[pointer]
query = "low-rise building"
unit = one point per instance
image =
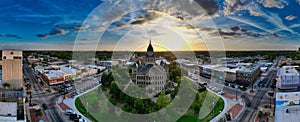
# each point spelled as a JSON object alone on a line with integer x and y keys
{"x": 8, "y": 111}
{"x": 288, "y": 78}
{"x": 107, "y": 64}
{"x": 287, "y": 107}
{"x": 242, "y": 73}
{"x": 53, "y": 77}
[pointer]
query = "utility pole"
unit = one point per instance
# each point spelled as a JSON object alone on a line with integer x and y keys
{"x": 30, "y": 98}
{"x": 64, "y": 89}
{"x": 236, "y": 97}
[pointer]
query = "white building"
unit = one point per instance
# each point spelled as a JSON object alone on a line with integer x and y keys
{"x": 287, "y": 107}
{"x": 288, "y": 78}
{"x": 8, "y": 112}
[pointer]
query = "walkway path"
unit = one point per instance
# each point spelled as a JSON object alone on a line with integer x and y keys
{"x": 229, "y": 103}
{"x": 70, "y": 102}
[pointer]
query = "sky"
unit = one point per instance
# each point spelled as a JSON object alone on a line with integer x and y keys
{"x": 131, "y": 24}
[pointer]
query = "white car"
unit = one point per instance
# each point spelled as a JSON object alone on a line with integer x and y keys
{"x": 82, "y": 120}
{"x": 221, "y": 92}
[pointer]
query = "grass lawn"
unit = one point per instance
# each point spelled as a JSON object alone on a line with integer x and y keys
{"x": 82, "y": 110}
{"x": 206, "y": 113}
{"x": 217, "y": 110}
{"x": 188, "y": 118}
{"x": 98, "y": 110}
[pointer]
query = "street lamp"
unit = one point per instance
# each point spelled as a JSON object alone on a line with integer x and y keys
{"x": 87, "y": 104}
{"x": 213, "y": 107}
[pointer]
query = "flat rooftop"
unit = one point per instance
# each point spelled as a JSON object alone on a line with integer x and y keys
{"x": 288, "y": 71}
{"x": 282, "y": 116}
{"x": 287, "y": 96}
{"x": 8, "y": 108}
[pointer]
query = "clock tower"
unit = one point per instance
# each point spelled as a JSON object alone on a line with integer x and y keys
{"x": 150, "y": 59}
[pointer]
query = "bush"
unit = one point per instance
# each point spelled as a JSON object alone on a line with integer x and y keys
{"x": 39, "y": 112}
{"x": 243, "y": 89}
{"x": 259, "y": 114}
{"x": 271, "y": 94}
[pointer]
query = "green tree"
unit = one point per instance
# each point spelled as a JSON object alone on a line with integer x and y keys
{"x": 6, "y": 85}
{"x": 104, "y": 79}
{"x": 163, "y": 100}
{"x": 139, "y": 106}
{"x": 114, "y": 90}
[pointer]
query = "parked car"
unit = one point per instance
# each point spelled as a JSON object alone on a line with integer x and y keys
{"x": 44, "y": 105}
{"x": 221, "y": 92}
{"x": 69, "y": 112}
{"x": 79, "y": 120}
{"x": 74, "y": 116}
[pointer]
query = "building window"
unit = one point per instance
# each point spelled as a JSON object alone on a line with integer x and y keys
{"x": 4, "y": 57}
{"x": 17, "y": 57}
{"x": 11, "y": 53}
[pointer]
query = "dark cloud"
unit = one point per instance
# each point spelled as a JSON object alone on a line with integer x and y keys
{"x": 137, "y": 22}
{"x": 141, "y": 18}
{"x": 74, "y": 27}
{"x": 211, "y": 6}
{"x": 62, "y": 29}
{"x": 235, "y": 28}
{"x": 251, "y": 34}
{"x": 223, "y": 33}
{"x": 10, "y": 36}
{"x": 54, "y": 31}
{"x": 238, "y": 32}
{"x": 88, "y": 39}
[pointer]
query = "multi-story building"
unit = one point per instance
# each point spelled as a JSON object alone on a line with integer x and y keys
{"x": 288, "y": 78}
{"x": 148, "y": 74}
{"x": 12, "y": 68}
{"x": 53, "y": 77}
{"x": 247, "y": 74}
{"x": 12, "y": 98}
{"x": 241, "y": 73}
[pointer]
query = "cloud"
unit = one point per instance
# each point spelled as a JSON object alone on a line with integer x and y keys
{"x": 74, "y": 27}
{"x": 273, "y": 3}
{"x": 277, "y": 21}
{"x": 235, "y": 28}
{"x": 295, "y": 26}
{"x": 290, "y": 17}
{"x": 252, "y": 6}
{"x": 234, "y": 5}
{"x": 210, "y": 6}
{"x": 249, "y": 22}
{"x": 10, "y": 36}
{"x": 54, "y": 31}
{"x": 62, "y": 29}
{"x": 238, "y": 32}
{"x": 254, "y": 11}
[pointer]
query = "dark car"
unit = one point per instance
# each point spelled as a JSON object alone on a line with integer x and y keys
{"x": 228, "y": 117}
{"x": 44, "y": 105}
{"x": 74, "y": 117}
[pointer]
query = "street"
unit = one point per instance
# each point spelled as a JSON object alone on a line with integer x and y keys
{"x": 256, "y": 99}
{"x": 52, "y": 113}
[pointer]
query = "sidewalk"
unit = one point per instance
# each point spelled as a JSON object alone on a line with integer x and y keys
{"x": 70, "y": 102}
{"x": 229, "y": 103}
